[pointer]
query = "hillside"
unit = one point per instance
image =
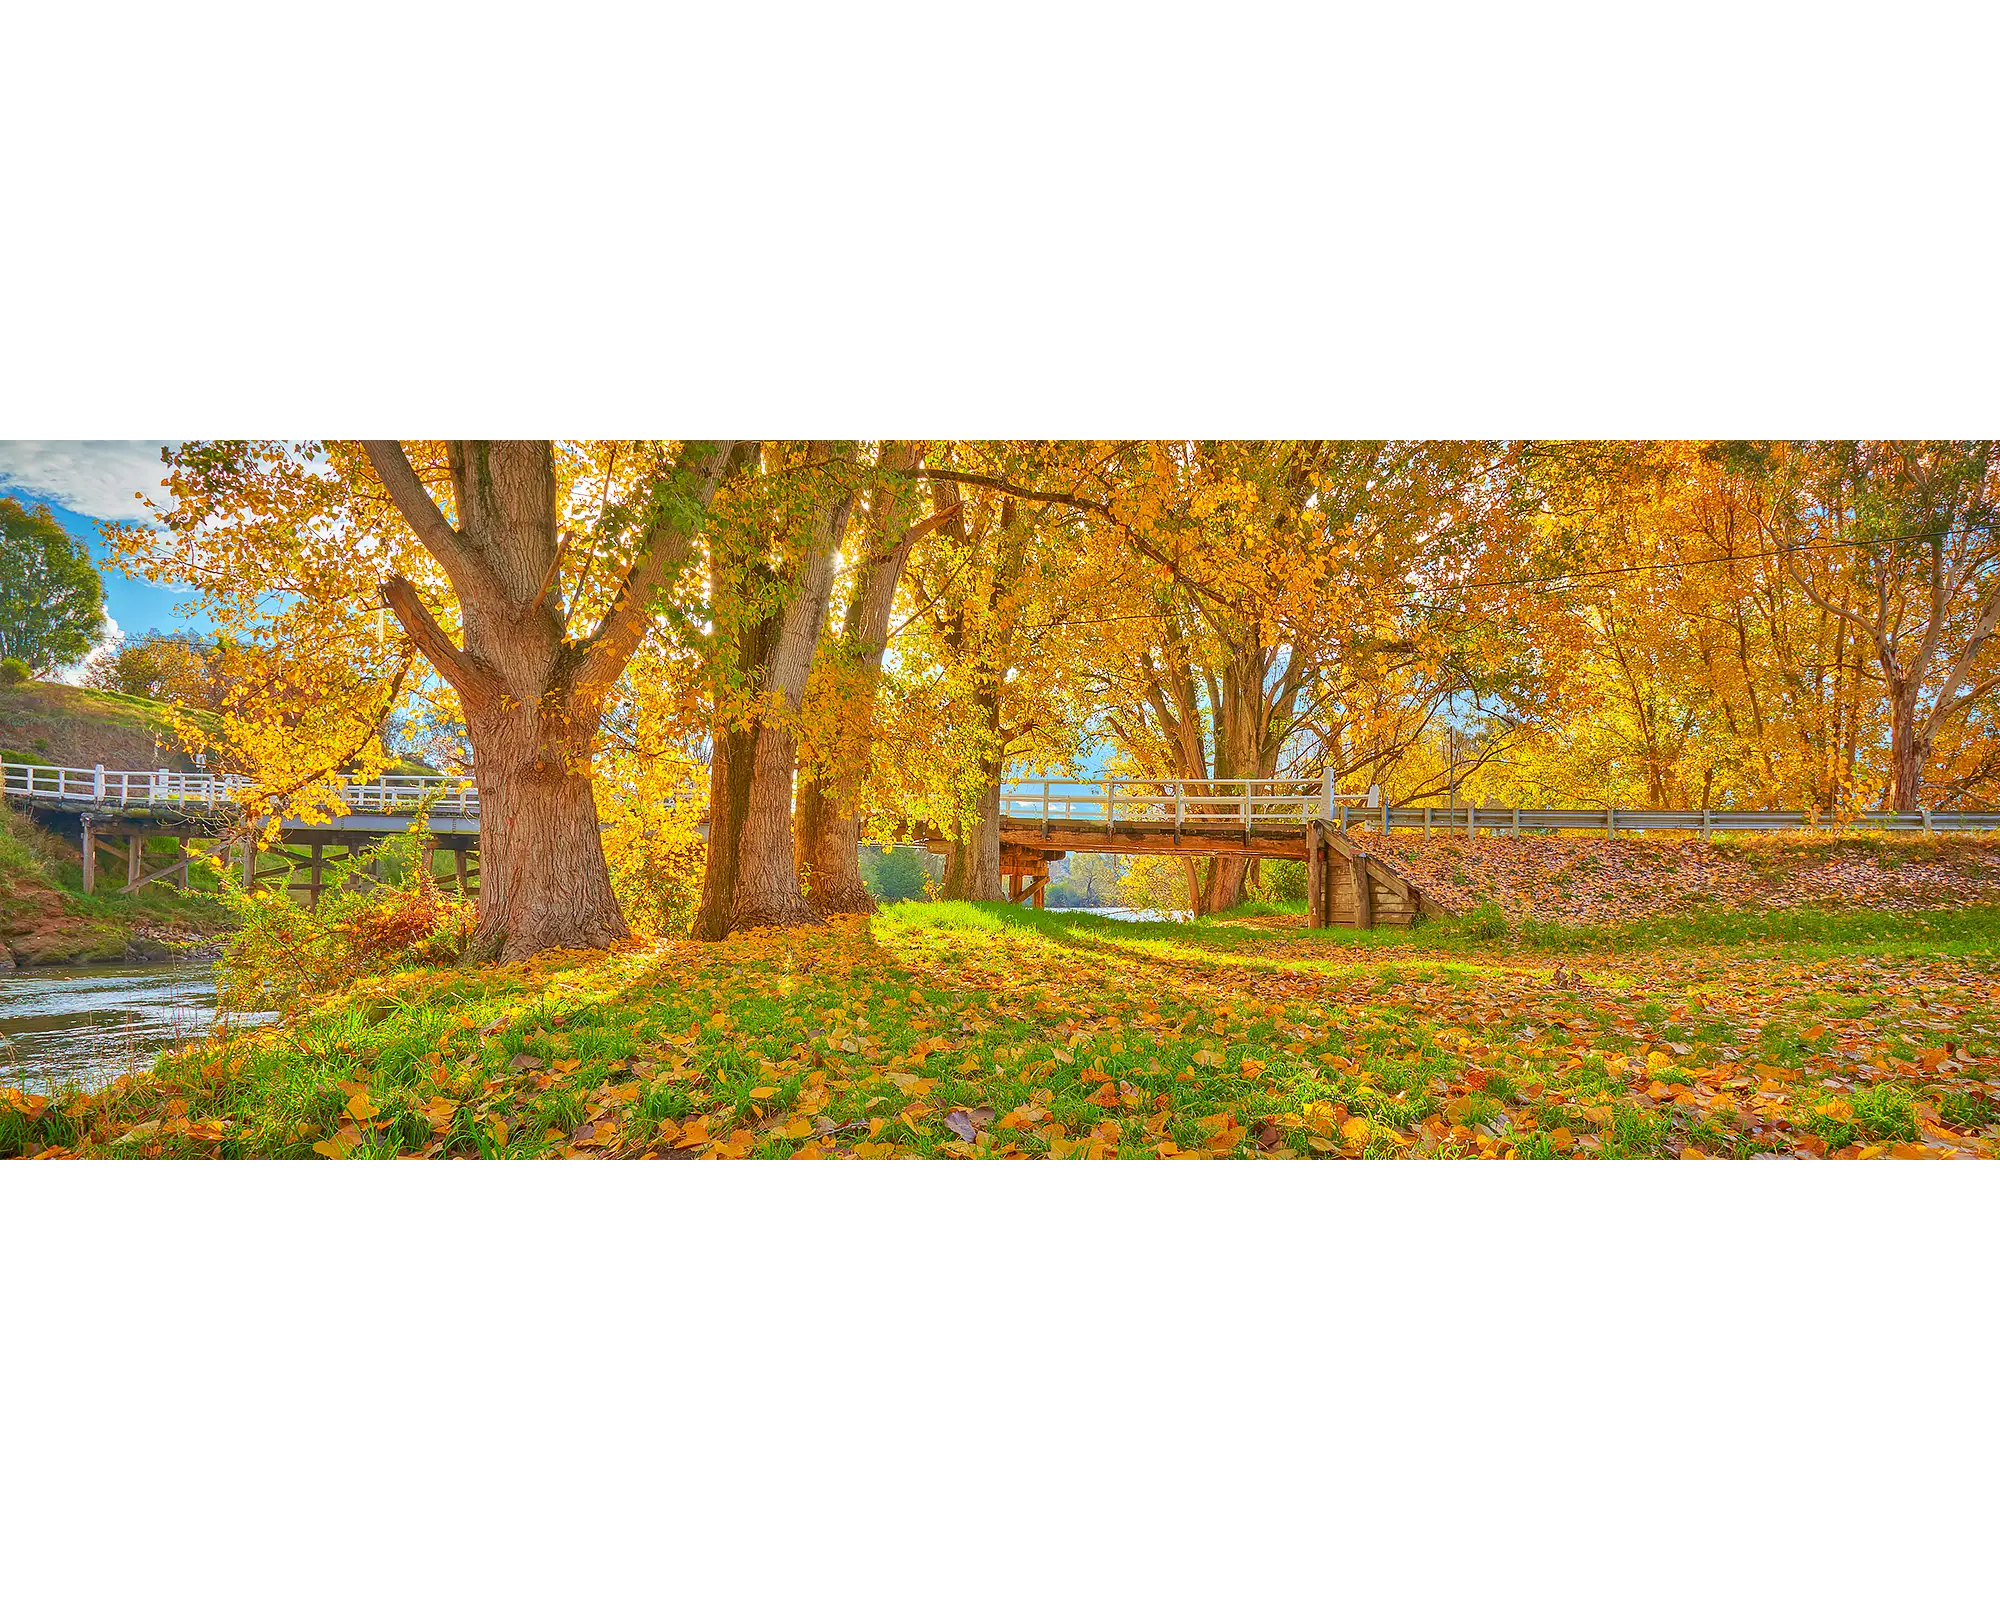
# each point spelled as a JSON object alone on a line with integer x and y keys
{"x": 71, "y": 727}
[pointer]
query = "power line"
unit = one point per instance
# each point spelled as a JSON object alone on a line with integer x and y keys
{"x": 1665, "y": 566}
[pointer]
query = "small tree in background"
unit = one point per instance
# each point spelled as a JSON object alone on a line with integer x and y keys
{"x": 51, "y": 598}
{"x": 893, "y": 872}
{"x": 1153, "y": 883}
{"x": 156, "y": 666}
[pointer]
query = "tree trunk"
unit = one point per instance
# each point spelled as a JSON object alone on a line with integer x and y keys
{"x": 829, "y": 828}
{"x": 1224, "y": 889}
{"x": 972, "y": 864}
{"x": 728, "y": 807}
{"x": 830, "y": 855}
{"x": 751, "y": 878}
{"x": 972, "y": 867}
{"x": 543, "y": 883}
{"x": 1907, "y": 748}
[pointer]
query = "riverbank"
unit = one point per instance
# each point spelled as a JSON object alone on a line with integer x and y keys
{"x": 47, "y": 920}
{"x": 991, "y": 1032}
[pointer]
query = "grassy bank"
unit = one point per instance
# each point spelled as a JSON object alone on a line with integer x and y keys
{"x": 59, "y": 724}
{"x": 987, "y": 1031}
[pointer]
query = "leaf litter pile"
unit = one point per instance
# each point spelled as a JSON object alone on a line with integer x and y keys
{"x": 983, "y": 1033}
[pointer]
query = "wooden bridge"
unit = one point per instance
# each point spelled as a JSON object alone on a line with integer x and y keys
{"x": 119, "y": 812}
{"x": 1288, "y": 819}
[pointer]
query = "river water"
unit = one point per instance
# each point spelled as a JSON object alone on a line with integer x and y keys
{"x": 1126, "y": 913}
{"x": 83, "y": 1026}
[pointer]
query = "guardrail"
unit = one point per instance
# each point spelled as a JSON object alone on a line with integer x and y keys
{"x": 1611, "y": 821}
{"x": 124, "y": 791}
{"x": 1210, "y": 804}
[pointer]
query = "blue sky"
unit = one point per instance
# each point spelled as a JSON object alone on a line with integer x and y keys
{"x": 87, "y": 481}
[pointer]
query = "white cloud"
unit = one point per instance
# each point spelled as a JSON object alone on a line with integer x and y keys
{"x": 109, "y": 638}
{"x": 96, "y": 477}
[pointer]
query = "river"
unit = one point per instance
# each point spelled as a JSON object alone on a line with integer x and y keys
{"x": 83, "y": 1026}
{"x": 1126, "y": 913}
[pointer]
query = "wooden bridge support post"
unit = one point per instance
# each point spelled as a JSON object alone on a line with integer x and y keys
{"x": 313, "y": 878}
{"x": 89, "y": 856}
{"x": 181, "y": 857}
{"x": 1315, "y": 880}
{"x": 1364, "y": 895}
{"x": 460, "y": 854}
{"x": 135, "y": 846}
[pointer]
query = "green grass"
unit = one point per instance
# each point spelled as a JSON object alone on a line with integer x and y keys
{"x": 1097, "y": 1036}
{"x": 1963, "y": 930}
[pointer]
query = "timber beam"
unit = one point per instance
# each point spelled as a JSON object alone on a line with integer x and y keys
{"x": 1280, "y": 841}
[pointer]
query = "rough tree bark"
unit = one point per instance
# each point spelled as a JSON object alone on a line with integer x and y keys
{"x": 533, "y": 697}
{"x": 972, "y": 862}
{"x": 751, "y": 878}
{"x": 829, "y": 826}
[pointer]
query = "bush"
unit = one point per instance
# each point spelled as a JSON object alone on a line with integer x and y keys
{"x": 1284, "y": 880}
{"x": 285, "y": 953}
{"x": 13, "y": 672}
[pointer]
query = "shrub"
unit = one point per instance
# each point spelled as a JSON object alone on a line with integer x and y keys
{"x": 285, "y": 953}
{"x": 1284, "y": 880}
{"x": 1484, "y": 923}
{"x": 13, "y": 671}
{"x": 654, "y": 854}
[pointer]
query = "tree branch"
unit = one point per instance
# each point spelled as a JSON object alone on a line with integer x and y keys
{"x": 466, "y": 676}
{"x": 1050, "y": 497}
{"x": 468, "y": 571}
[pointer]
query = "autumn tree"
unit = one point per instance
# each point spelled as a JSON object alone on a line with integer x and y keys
{"x": 1755, "y": 625}
{"x": 154, "y": 666}
{"x": 1907, "y": 533}
{"x": 522, "y": 573}
{"x": 1277, "y": 632}
{"x": 771, "y": 574}
{"x": 1004, "y": 599}
{"x": 532, "y": 685}
{"x": 841, "y": 726}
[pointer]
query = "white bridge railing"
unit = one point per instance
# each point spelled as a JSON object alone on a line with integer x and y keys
{"x": 1241, "y": 804}
{"x": 1209, "y": 804}
{"x": 101, "y": 787}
